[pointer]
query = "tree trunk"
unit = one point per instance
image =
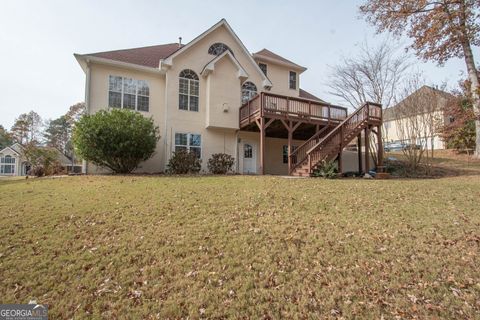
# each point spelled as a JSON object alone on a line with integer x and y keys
{"x": 475, "y": 89}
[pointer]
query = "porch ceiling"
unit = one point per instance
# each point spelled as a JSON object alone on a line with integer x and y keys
{"x": 277, "y": 130}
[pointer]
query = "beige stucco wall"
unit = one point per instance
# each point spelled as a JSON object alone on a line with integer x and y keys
{"x": 220, "y": 87}
{"x": 279, "y": 76}
{"x": 223, "y": 95}
{"x": 99, "y": 75}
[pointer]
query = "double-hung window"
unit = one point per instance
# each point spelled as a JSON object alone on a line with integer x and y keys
{"x": 7, "y": 165}
{"x": 128, "y": 93}
{"x": 189, "y": 142}
{"x": 292, "y": 80}
{"x": 263, "y": 67}
{"x": 188, "y": 91}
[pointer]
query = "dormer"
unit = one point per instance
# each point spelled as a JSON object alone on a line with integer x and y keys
{"x": 284, "y": 74}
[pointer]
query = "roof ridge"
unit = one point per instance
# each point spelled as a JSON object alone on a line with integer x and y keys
{"x": 136, "y": 48}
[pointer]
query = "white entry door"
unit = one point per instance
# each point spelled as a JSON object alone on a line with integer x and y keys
{"x": 249, "y": 158}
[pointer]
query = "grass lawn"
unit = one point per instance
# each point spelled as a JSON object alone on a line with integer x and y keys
{"x": 242, "y": 247}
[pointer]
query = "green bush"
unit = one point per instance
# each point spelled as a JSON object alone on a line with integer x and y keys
{"x": 327, "y": 170}
{"x": 183, "y": 162}
{"x": 220, "y": 163}
{"x": 117, "y": 139}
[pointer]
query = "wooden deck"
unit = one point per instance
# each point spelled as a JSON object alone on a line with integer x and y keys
{"x": 273, "y": 106}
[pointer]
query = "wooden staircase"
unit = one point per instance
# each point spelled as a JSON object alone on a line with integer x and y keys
{"x": 327, "y": 144}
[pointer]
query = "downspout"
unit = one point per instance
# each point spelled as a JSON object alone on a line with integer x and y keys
{"x": 237, "y": 162}
{"x": 165, "y": 131}
{"x": 87, "y": 107}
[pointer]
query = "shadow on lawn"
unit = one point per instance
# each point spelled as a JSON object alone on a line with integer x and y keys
{"x": 446, "y": 163}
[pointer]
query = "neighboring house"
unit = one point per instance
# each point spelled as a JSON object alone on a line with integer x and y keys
{"x": 212, "y": 96}
{"x": 13, "y": 163}
{"x": 419, "y": 109}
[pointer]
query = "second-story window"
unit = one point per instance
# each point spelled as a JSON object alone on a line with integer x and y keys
{"x": 263, "y": 67}
{"x": 188, "y": 90}
{"x": 249, "y": 90}
{"x": 292, "y": 80}
{"x": 128, "y": 93}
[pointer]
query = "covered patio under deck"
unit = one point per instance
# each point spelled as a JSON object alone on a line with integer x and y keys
{"x": 289, "y": 118}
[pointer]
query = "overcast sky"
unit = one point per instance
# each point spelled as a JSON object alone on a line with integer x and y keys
{"x": 38, "y": 38}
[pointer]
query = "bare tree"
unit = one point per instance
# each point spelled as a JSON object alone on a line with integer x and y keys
{"x": 372, "y": 75}
{"x": 417, "y": 118}
{"x": 440, "y": 30}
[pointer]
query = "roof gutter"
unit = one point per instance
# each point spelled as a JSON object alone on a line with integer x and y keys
{"x": 82, "y": 60}
{"x": 279, "y": 62}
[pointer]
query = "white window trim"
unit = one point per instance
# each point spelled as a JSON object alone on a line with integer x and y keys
{"x": 189, "y": 95}
{"x": 188, "y": 141}
{"x": 122, "y": 93}
{"x": 296, "y": 80}
{"x": 4, "y": 164}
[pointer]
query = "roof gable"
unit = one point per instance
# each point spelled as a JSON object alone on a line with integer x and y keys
{"x": 210, "y": 67}
{"x": 166, "y": 63}
{"x": 434, "y": 94}
{"x": 270, "y": 56}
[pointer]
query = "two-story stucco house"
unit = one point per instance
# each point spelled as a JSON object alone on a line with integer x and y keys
{"x": 212, "y": 95}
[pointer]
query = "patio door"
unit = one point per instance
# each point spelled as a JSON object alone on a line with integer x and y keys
{"x": 249, "y": 158}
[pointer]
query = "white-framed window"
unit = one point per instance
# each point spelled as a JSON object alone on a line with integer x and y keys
{"x": 263, "y": 67}
{"x": 190, "y": 142}
{"x": 7, "y": 165}
{"x": 188, "y": 90}
{"x": 128, "y": 93}
{"x": 292, "y": 80}
{"x": 285, "y": 154}
{"x": 249, "y": 90}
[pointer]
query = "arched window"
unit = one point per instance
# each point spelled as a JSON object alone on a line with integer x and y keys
{"x": 249, "y": 90}
{"x": 188, "y": 90}
{"x": 218, "y": 48}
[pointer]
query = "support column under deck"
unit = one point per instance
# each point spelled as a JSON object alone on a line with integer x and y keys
{"x": 380, "y": 149}
{"x": 262, "y": 145}
{"x": 367, "y": 149}
{"x": 359, "y": 152}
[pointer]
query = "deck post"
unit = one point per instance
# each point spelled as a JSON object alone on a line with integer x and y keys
{"x": 359, "y": 151}
{"x": 340, "y": 165}
{"x": 290, "y": 134}
{"x": 262, "y": 145}
{"x": 367, "y": 149}
{"x": 380, "y": 149}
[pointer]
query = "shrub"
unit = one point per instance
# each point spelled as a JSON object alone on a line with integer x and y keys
{"x": 37, "y": 171}
{"x": 183, "y": 162}
{"x": 43, "y": 161}
{"x": 117, "y": 139}
{"x": 220, "y": 163}
{"x": 327, "y": 170}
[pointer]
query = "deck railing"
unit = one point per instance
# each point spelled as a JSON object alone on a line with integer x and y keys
{"x": 269, "y": 104}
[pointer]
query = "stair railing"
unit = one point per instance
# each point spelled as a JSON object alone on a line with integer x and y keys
{"x": 335, "y": 138}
